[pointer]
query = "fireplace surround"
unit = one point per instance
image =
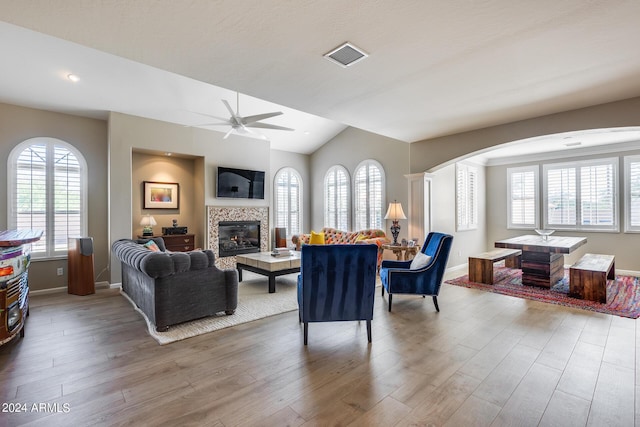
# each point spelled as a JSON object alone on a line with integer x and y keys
{"x": 217, "y": 214}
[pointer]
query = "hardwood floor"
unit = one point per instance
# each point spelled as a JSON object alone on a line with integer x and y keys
{"x": 485, "y": 359}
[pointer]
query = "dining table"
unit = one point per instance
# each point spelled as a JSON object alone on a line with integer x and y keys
{"x": 542, "y": 256}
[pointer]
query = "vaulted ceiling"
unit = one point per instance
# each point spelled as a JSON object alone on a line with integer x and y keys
{"x": 434, "y": 67}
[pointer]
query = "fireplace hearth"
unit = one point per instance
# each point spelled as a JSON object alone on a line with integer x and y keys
{"x": 238, "y": 237}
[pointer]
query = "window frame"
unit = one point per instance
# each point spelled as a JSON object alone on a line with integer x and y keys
{"x": 470, "y": 206}
{"x": 366, "y": 164}
{"x": 276, "y": 215}
{"x": 577, "y": 169}
{"x": 628, "y": 227}
{"x": 49, "y": 237}
{"x": 535, "y": 169}
{"x": 335, "y": 169}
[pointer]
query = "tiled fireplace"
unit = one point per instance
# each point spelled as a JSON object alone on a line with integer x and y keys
{"x": 230, "y": 216}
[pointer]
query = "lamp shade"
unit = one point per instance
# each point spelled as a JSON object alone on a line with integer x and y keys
{"x": 395, "y": 211}
{"x": 148, "y": 221}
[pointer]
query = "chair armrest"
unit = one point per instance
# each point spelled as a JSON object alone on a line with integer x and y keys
{"x": 387, "y": 263}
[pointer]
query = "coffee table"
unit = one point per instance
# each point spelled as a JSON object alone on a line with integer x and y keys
{"x": 267, "y": 265}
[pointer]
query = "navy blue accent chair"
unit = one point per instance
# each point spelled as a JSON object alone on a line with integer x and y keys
{"x": 397, "y": 278}
{"x": 336, "y": 283}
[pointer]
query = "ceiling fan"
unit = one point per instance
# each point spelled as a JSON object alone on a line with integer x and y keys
{"x": 241, "y": 124}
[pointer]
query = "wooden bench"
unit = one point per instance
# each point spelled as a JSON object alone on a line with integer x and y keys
{"x": 481, "y": 265}
{"x": 588, "y": 277}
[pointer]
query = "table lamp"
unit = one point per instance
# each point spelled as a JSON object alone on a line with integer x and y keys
{"x": 147, "y": 223}
{"x": 395, "y": 213}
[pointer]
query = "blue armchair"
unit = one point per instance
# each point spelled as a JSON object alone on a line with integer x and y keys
{"x": 398, "y": 278}
{"x": 337, "y": 282}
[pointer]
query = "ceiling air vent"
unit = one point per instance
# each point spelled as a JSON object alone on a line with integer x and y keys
{"x": 346, "y": 55}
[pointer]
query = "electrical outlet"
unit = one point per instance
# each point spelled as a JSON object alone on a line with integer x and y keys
{"x": 60, "y": 271}
{"x": 459, "y": 253}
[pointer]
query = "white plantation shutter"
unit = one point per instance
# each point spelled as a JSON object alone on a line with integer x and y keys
{"x": 368, "y": 185}
{"x": 288, "y": 200}
{"x": 561, "y": 197}
{"x": 582, "y": 195}
{"x": 47, "y": 192}
{"x": 632, "y": 193}
{"x": 523, "y": 197}
{"x": 466, "y": 197}
{"x": 336, "y": 198}
{"x": 597, "y": 195}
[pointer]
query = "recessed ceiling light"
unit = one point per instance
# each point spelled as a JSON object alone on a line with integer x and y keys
{"x": 168, "y": 154}
{"x": 73, "y": 77}
{"x": 306, "y": 132}
{"x": 572, "y": 144}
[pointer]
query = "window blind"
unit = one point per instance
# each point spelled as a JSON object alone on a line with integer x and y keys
{"x": 368, "y": 203}
{"x": 337, "y": 198}
{"x": 48, "y": 194}
{"x": 288, "y": 194}
{"x": 582, "y": 195}
{"x": 466, "y": 197}
{"x": 523, "y": 205}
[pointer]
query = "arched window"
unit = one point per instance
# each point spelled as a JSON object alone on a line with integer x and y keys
{"x": 337, "y": 198}
{"x": 368, "y": 192}
{"x": 288, "y": 200}
{"x": 47, "y": 191}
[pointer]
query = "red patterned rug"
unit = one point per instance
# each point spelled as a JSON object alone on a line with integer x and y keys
{"x": 623, "y": 294}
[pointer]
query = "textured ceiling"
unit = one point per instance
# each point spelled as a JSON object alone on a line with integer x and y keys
{"x": 435, "y": 67}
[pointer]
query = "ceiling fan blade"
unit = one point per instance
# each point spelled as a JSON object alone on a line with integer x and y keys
{"x": 226, "y": 135}
{"x": 209, "y": 124}
{"x": 222, "y": 119}
{"x": 267, "y": 126}
{"x": 256, "y": 118}
{"x": 226, "y": 104}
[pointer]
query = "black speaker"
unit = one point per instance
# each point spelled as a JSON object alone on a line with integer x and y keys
{"x": 86, "y": 246}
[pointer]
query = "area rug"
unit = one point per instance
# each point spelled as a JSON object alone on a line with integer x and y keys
{"x": 623, "y": 293}
{"x": 254, "y": 302}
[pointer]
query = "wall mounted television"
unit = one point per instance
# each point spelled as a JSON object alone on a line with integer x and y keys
{"x": 240, "y": 183}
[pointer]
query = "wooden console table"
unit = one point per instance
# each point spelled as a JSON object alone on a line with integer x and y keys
{"x": 402, "y": 253}
{"x": 176, "y": 242}
{"x": 15, "y": 257}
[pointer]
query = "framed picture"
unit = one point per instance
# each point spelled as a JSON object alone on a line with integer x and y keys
{"x": 161, "y": 195}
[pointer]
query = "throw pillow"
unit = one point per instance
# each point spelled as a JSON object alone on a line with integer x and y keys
{"x": 151, "y": 245}
{"x": 360, "y": 238}
{"x": 316, "y": 238}
{"x": 419, "y": 261}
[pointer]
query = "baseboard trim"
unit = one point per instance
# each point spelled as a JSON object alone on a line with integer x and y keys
{"x": 98, "y": 285}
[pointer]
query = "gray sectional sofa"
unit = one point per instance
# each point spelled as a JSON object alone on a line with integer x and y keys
{"x": 175, "y": 287}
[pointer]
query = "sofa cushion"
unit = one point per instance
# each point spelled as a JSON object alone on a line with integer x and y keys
{"x": 317, "y": 238}
{"x": 419, "y": 261}
{"x": 152, "y": 246}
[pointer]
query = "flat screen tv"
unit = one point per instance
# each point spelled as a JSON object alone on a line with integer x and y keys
{"x": 240, "y": 183}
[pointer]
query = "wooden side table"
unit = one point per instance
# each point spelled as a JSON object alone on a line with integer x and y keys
{"x": 402, "y": 253}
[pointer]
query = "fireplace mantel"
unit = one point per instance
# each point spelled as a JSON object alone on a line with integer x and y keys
{"x": 215, "y": 214}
